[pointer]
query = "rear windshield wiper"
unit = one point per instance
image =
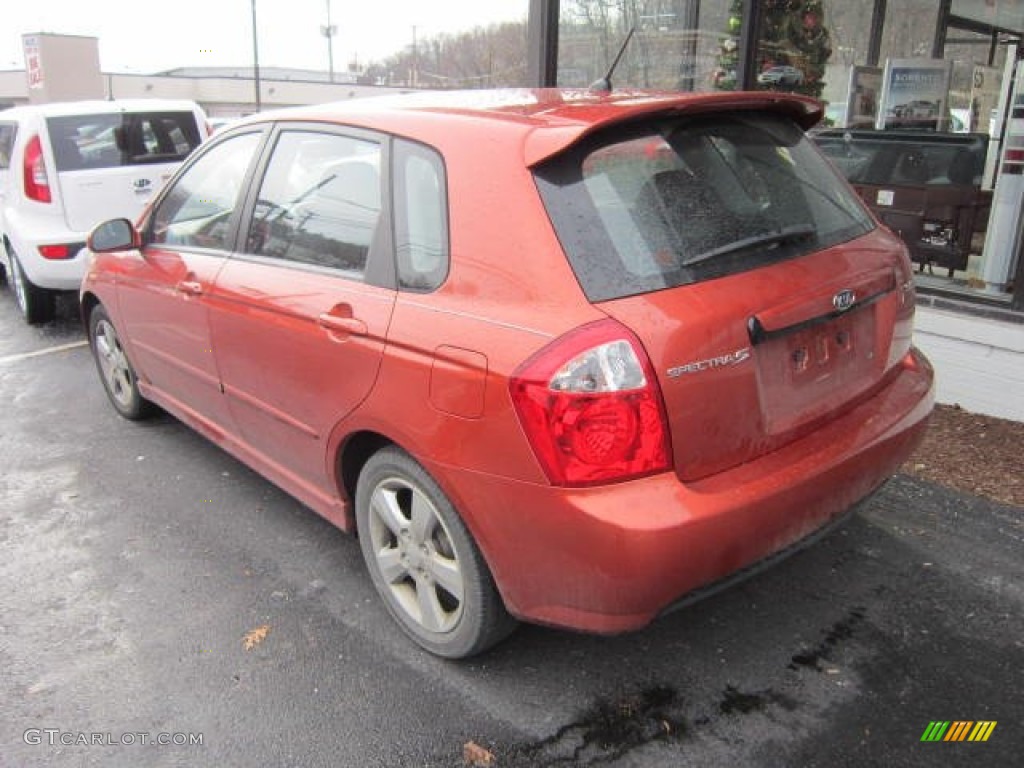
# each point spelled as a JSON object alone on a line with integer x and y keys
{"x": 782, "y": 236}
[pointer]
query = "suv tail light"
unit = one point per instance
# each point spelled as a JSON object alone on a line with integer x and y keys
{"x": 591, "y": 408}
{"x": 37, "y": 183}
{"x": 60, "y": 251}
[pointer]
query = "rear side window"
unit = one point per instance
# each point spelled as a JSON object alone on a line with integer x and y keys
{"x": 122, "y": 139}
{"x": 8, "y": 131}
{"x": 421, "y": 217}
{"x": 684, "y": 200}
{"x": 319, "y": 202}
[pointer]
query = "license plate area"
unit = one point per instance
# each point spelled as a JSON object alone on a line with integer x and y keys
{"x": 820, "y": 351}
{"x": 812, "y": 369}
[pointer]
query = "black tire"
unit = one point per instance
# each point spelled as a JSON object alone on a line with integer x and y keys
{"x": 116, "y": 371}
{"x": 424, "y": 564}
{"x": 37, "y": 305}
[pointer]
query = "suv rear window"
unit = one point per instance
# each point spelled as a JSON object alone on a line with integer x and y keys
{"x": 914, "y": 158}
{"x": 115, "y": 140}
{"x": 678, "y": 201}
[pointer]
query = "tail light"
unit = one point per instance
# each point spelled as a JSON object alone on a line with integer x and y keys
{"x": 590, "y": 406}
{"x": 60, "y": 251}
{"x": 37, "y": 183}
{"x": 903, "y": 325}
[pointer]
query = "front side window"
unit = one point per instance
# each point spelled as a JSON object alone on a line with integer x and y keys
{"x": 198, "y": 210}
{"x": 680, "y": 201}
{"x": 319, "y": 202}
{"x": 116, "y": 139}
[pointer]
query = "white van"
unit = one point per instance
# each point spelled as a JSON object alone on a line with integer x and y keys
{"x": 65, "y": 167}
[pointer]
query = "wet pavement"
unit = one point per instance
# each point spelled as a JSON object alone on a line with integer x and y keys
{"x": 137, "y": 559}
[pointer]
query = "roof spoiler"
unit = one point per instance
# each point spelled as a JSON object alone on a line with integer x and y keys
{"x": 544, "y": 143}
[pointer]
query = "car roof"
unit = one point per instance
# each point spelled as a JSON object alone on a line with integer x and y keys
{"x": 542, "y": 122}
{"x": 98, "y": 107}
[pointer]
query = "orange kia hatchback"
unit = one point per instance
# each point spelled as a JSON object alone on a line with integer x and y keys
{"x": 556, "y": 356}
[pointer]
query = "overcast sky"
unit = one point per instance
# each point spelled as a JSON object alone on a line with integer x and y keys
{"x": 153, "y": 35}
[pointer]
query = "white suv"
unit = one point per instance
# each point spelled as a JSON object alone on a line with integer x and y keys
{"x": 64, "y": 167}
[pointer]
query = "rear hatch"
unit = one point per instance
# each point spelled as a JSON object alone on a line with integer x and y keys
{"x": 764, "y": 295}
{"x": 109, "y": 165}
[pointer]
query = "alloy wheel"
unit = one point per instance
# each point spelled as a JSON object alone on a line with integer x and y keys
{"x": 117, "y": 373}
{"x": 415, "y": 556}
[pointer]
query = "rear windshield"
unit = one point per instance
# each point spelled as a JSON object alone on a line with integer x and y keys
{"x": 684, "y": 200}
{"x": 114, "y": 140}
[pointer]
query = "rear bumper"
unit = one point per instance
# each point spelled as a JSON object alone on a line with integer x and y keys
{"x": 611, "y": 559}
{"x": 29, "y": 231}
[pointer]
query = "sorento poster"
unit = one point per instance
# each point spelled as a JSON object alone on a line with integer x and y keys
{"x": 915, "y": 94}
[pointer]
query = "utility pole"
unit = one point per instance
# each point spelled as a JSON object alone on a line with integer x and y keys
{"x": 329, "y": 31}
{"x": 255, "y": 58}
{"x": 414, "y": 76}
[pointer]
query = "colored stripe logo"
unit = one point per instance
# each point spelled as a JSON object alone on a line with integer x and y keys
{"x": 958, "y": 730}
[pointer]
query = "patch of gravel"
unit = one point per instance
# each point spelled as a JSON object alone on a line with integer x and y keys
{"x": 970, "y": 452}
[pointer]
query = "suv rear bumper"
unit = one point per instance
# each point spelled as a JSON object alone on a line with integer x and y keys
{"x": 613, "y": 558}
{"x": 27, "y": 232}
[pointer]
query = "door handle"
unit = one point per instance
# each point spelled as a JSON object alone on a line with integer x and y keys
{"x": 190, "y": 287}
{"x": 350, "y": 325}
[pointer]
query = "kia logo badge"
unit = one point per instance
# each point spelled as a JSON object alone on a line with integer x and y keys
{"x": 142, "y": 183}
{"x": 843, "y": 300}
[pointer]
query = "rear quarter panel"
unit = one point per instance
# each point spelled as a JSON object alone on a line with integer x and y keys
{"x": 442, "y": 393}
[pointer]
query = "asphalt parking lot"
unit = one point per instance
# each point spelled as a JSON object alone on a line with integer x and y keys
{"x": 138, "y": 562}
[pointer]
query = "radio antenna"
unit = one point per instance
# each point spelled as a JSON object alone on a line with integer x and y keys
{"x": 604, "y": 85}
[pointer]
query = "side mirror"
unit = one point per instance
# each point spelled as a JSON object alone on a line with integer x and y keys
{"x": 113, "y": 235}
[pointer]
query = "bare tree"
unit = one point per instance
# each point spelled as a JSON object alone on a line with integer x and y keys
{"x": 483, "y": 57}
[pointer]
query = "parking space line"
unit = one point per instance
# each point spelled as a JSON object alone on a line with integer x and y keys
{"x": 41, "y": 352}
